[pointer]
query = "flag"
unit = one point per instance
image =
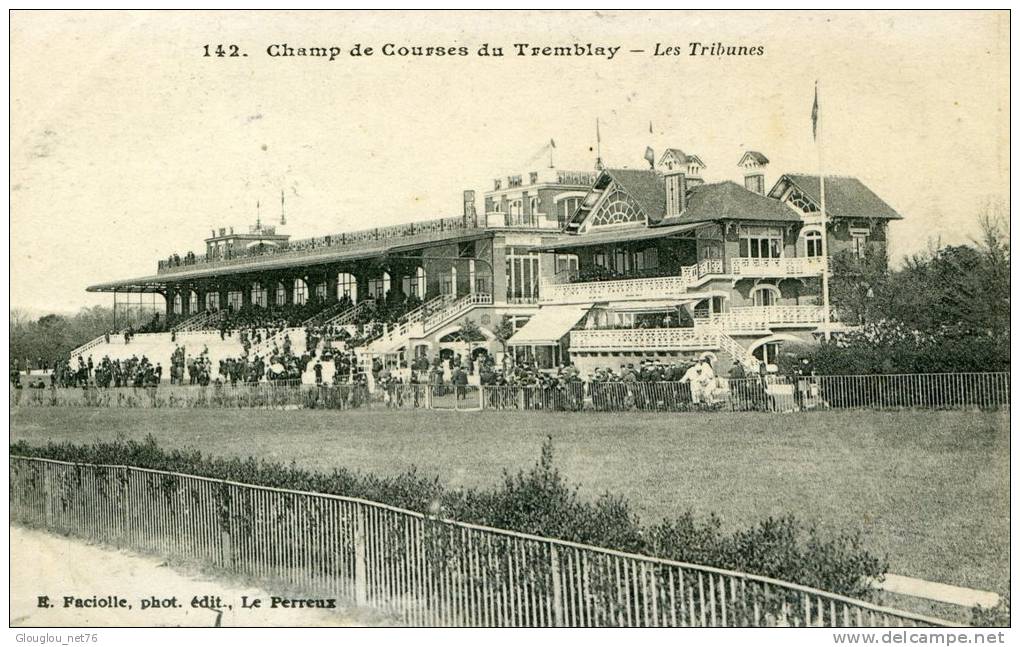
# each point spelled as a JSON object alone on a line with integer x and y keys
{"x": 814, "y": 115}
{"x": 650, "y": 132}
{"x": 598, "y": 137}
{"x": 552, "y": 143}
{"x": 650, "y": 156}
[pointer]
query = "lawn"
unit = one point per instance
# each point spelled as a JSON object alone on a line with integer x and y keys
{"x": 928, "y": 489}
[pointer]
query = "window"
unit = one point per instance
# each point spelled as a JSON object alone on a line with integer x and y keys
{"x": 346, "y": 286}
{"x": 378, "y": 288}
{"x": 566, "y": 263}
{"x": 765, "y": 296}
{"x": 859, "y": 242}
{"x": 522, "y": 272}
{"x": 212, "y": 301}
{"x": 761, "y": 242}
{"x": 600, "y": 260}
{"x": 178, "y": 304}
{"x": 235, "y": 299}
{"x": 281, "y": 294}
{"x": 259, "y": 295}
{"x": 616, "y": 209}
{"x": 621, "y": 261}
{"x": 320, "y": 291}
{"x": 300, "y": 292}
{"x": 646, "y": 259}
{"x": 801, "y": 201}
{"x": 812, "y": 243}
{"x": 515, "y": 209}
{"x": 533, "y": 205}
{"x": 448, "y": 282}
{"x": 193, "y": 302}
{"x": 566, "y": 208}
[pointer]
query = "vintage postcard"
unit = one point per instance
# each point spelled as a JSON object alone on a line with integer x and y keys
{"x": 510, "y": 319}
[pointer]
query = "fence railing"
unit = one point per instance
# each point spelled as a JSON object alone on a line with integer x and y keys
{"x": 771, "y": 393}
{"x": 420, "y": 569}
{"x": 284, "y": 394}
{"x": 933, "y": 391}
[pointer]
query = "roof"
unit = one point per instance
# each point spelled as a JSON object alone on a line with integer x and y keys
{"x": 682, "y": 157}
{"x": 318, "y": 256}
{"x": 730, "y": 201}
{"x": 755, "y": 156}
{"x": 646, "y": 187}
{"x": 565, "y": 241}
{"x": 845, "y": 197}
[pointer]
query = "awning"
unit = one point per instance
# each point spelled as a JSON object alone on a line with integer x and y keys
{"x": 568, "y": 241}
{"x": 549, "y": 325}
{"x": 652, "y": 305}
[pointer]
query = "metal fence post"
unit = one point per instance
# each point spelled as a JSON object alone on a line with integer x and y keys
{"x": 48, "y": 493}
{"x": 360, "y": 561}
{"x": 557, "y": 586}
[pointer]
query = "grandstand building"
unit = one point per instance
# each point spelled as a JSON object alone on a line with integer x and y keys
{"x": 600, "y": 268}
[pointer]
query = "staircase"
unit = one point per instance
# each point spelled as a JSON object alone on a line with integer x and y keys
{"x": 736, "y": 350}
{"x": 401, "y": 330}
{"x": 201, "y": 321}
{"x": 86, "y": 347}
{"x": 454, "y": 310}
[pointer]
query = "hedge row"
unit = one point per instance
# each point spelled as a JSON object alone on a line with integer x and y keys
{"x": 538, "y": 502}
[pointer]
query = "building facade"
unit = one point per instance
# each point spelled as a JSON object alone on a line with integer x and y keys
{"x": 599, "y": 269}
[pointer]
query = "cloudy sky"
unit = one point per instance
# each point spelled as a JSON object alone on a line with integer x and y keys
{"x": 127, "y": 144}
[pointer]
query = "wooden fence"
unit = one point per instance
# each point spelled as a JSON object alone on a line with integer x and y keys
{"x": 422, "y": 570}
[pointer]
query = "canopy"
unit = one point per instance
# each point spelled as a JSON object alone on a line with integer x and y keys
{"x": 652, "y": 305}
{"x": 549, "y": 325}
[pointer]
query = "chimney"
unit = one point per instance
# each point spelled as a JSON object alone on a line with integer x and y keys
{"x": 470, "y": 215}
{"x": 676, "y": 190}
{"x": 754, "y": 164}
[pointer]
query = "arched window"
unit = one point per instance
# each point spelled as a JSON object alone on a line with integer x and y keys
{"x": 801, "y": 201}
{"x": 346, "y": 286}
{"x": 765, "y": 296}
{"x": 212, "y": 301}
{"x": 281, "y": 294}
{"x": 616, "y": 209}
{"x": 259, "y": 295}
{"x": 812, "y": 243}
{"x": 193, "y": 302}
{"x": 235, "y": 299}
{"x": 300, "y": 292}
{"x": 178, "y": 304}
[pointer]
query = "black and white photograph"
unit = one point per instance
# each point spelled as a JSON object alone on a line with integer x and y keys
{"x": 397, "y": 320}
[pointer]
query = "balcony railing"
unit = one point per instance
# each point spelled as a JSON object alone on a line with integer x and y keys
{"x": 763, "y": 318}
{"x": 659, "y": 287}
{"x": 782, "y": 267}
{"x": 502, "y": 220}
{"x": 317, "y": 245}
{"x": 665, "y": 339}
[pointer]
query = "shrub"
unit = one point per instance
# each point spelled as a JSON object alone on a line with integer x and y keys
{"x": 538, "y": 502}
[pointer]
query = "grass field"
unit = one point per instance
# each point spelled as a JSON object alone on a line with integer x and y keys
{"x": 928, "y": 489}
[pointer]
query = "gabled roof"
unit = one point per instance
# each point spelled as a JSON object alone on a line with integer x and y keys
{"x": 681, "y": 157}
{"x": 755, "y": 157}
{"x": 845, "y": 197}
{"x": 730, "y": 201}
{"x": 646, "y": 187}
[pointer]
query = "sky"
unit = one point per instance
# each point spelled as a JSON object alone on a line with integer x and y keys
{"x": 127, "y": 144}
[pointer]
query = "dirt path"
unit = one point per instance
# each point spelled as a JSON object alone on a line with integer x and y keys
{"x": 48, "y": 565}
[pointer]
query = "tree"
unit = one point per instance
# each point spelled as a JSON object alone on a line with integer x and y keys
{"x": 504, "y": 331}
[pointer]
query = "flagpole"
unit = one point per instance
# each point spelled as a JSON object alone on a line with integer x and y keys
{"x": 826, "y": 328}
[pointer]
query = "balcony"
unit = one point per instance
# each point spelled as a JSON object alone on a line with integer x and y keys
{"x": 793, "y": 267}
{"x": 756, "y": 319}
{"x": 644, "y": 339}
{"x": 659, "y": 287}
